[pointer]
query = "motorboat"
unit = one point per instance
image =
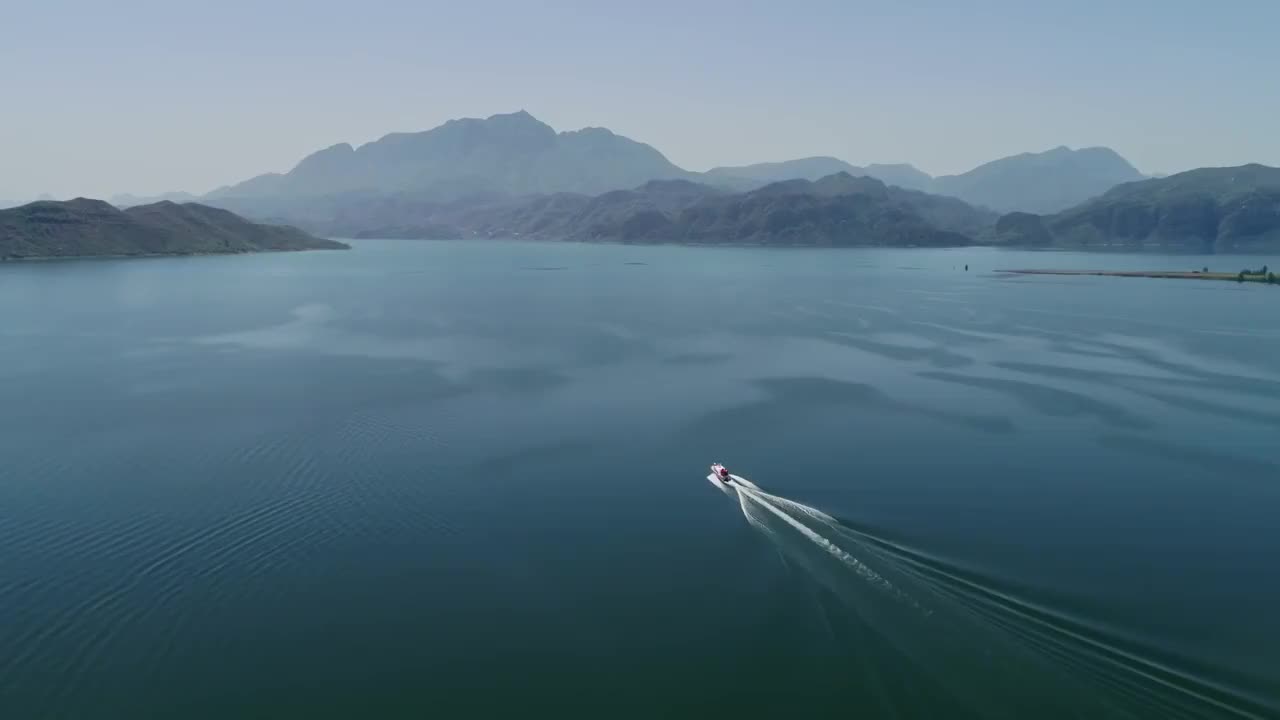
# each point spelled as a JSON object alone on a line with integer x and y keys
{"x": 721, "y": 473}
{"x": 727, "y": 482}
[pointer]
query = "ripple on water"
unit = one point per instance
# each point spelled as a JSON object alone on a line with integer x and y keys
{"x": 785, "y": 394}
{"x": 1223, "y": 410}
{"x": 276, "y": 503}
{"x": 1047, "y": 400}
{"x": 369, "y": 440}
{"x": 1233, "y": 464}
{"x": 329, "y": 466}
{"x": 145, "y": 593}
{"x": 698, "y": 358}
{"x": 1244, "y": 386}
{"x": 935, "y": 355}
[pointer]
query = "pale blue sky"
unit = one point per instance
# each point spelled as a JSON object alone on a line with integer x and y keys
{"x": 142, "y": 96}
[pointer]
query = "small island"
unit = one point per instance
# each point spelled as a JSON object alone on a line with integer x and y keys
{"x": 93, "y": 228}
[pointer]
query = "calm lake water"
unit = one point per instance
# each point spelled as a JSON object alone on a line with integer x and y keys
{"x": 424, "y": 479}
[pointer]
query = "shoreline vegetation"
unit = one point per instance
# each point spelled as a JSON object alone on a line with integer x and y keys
{"x": 1256, "y": 276}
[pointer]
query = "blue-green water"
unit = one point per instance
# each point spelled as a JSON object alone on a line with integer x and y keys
{"x": 444, "y": 479}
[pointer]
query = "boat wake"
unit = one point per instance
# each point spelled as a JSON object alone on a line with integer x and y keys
{"x": 985, "y": 649}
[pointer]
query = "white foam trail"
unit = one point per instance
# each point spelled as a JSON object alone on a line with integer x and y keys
{"x": 998, "y": 607}
{"x": 844, "y": 557}
{"x": 1050, "y": 633}
{"x": 746, "y": 489}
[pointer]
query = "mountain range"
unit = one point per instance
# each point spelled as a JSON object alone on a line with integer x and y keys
{"x": 513, "y": 176}
{"x": 83, "y": 227}
{"x": 837, "y": 210}
{"x": 1209, "y": 210}
{"x": 1030, "y": 182}
{"x": 516, "y": 154}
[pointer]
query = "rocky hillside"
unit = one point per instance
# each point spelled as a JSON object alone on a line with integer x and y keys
{"x": 837, "y": 210}
{"x": 83, "y": 228}
{"x": 1212, "y": 210}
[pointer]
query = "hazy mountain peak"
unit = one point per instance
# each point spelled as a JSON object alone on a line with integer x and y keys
{"x": 512, "y": 130}
{"x": 1042, "y": 182}
{"x": 677, "y": 186}
{"x": 807, "y": 168}
{"x": 842, "y": 183}
{"x": 517, "y": 118}
{"x": 126, "y": 200}
{"x": 793, "y": 186}
{"x": 819, "y": 166}
{"x": 591, "y": 132}
{"x": 506, "y": 153}
{"x": 83, "y": 203}
{"x": 903, "y": 175}
{"x": 839, "y": 183}
{"x": 332, "y": 156}
{"x": 519, "y": 122}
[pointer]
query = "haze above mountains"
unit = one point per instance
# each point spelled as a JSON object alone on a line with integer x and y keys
{"x": 1170, "y": 91}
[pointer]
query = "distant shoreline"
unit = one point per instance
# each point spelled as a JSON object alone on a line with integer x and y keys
{"x": 1157, "y": 274}
{"x": 143, "y": 256}
{"x": 653, "y": 243}
{"x": 1112, "y": 249}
